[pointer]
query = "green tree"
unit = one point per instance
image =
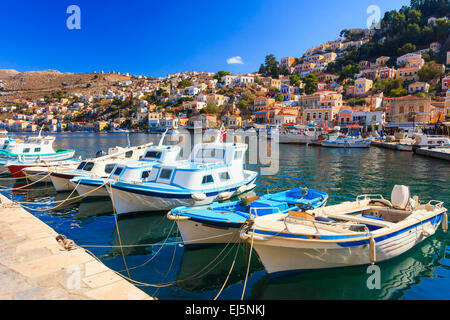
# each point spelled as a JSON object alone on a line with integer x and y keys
{"x": 430, "y": 71}
{"x": 310, "y": 81}
{"x": 220, "y": 74}
{"x": 407, "y": 48}
{"x": 185, "y": 83}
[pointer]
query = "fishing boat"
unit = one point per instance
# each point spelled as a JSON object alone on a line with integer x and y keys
{"x": 299, "y": 135}
{"x": 135, "y": 171}
{"x": 33, "y": 149}
{"x": 346, "y": 142}
{"x": 222, "y": 222}
{"x": 421, "y": 140}
{"x": 96, "y": 167}
{"x": 368, "y": 230}
{"x": 40, "y": 171}
{"x": 213, "y": 170}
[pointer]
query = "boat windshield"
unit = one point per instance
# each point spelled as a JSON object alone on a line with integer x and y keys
{"x": 88, "y": 166}
{"x": 153, "y": 154}
{"x": 80, "y": 167}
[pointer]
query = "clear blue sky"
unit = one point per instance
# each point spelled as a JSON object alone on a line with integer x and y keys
{"x": 158, "y": 37}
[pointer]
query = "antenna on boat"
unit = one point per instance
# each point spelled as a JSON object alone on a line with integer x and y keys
{"x": 162, "y": 138}
{"x": 40, "y": 131}
{"x": 128, "y": 140}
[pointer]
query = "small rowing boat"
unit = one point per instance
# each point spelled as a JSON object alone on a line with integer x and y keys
{"x": 368, "y": 230}
{"x": 222, "y": 222}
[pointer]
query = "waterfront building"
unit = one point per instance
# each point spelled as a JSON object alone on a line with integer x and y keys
{"x": 284, "y": 119}
{"x": 410, "y": 109}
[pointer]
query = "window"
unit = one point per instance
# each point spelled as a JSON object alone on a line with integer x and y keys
{"x": 81, "y": 165}
{"x": 37, "y": 149}
{"x": 210, "y": 153}
{"x": 129, "y": 154}
{"x": 145, "y": 174}
{"x": 118, "y": 171}
{"x": 153, "y": 154}
{"x": 207, "y": 179}
{"x": 88, "y": 166}
{"x": 224, "y": 176}
{"x": 25, "y": 150}
{"x": 165, "y": 174}
{"x": 109, "y": 168}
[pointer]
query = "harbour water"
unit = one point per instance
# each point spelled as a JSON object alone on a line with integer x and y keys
{"x": 156, "y": 254}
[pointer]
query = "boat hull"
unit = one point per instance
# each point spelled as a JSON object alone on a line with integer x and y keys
{"x": 61, "y": 182}
{"x": 196, "y": 232}
{"x": 87, "y": 190}
{"x": 281, "y": 255}
{"x": 127, "y": 200}
{"x": 344, "y": 145}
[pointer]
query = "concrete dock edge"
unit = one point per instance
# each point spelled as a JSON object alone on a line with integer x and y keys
{"x": 35, "y": 266}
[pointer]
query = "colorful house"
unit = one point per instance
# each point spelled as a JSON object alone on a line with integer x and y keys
{"x": 362, "y": 86}
{"x": 418, "y": 87}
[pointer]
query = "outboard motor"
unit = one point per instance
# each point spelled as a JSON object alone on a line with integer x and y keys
{"x": 100, "y": 153}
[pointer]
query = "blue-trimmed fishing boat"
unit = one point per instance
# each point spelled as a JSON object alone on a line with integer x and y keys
{"x": 222, "y": 222}
{"x": 214, "y": 171}
{"x": 346, "y": 142}
{"x": 368, "y": 230}
{"x": 135, "y": 171}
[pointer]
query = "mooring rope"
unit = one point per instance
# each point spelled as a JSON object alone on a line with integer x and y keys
{"x": 248, "y": 266}
{"x": 229, "y": 273}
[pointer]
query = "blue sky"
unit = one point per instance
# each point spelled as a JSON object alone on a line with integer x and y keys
{"x": 159, "y": 37}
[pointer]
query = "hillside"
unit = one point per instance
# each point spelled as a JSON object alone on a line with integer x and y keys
{"x": 36, "y": 84}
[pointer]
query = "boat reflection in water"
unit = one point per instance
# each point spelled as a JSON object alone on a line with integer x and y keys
{"x": 140, "y": 229}
{"x": 95, "y": 207}
{"x": 397, "y": 276}
{"x": 198, "y": 272}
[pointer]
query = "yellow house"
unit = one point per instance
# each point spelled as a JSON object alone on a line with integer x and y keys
{"x": 362, "y": 86}
{"x": 409, "y": 73}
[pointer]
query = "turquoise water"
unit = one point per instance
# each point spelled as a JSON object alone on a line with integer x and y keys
{"x": 421, "y": 273}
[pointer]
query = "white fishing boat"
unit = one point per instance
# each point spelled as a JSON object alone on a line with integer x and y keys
{"x": 366, "y": 231}
{"x": 213, "y": 170}
{"x": 17, "y": 154}
{"x": 347, "y": 142}
{"x": 299, "y": 135}
{"x": 134, "y": 171}
{"x": 95, "y": 167}
{"x": 41, "y": 171}
{"x": 421, "y": 140}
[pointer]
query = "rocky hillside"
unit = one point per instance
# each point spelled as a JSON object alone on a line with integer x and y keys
{"x": 36, "y": 84}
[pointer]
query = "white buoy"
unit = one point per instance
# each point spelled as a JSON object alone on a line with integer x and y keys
{"x": 241, "y": 189}
{"x": 198, "y": 196}
{"x": 224, "y": 195}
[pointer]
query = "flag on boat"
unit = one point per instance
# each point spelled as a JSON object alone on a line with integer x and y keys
{"x": 222, "y": 134}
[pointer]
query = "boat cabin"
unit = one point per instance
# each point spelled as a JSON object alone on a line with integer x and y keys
{"x": 140, "y": 170}
{"x": 210, "y": 166}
